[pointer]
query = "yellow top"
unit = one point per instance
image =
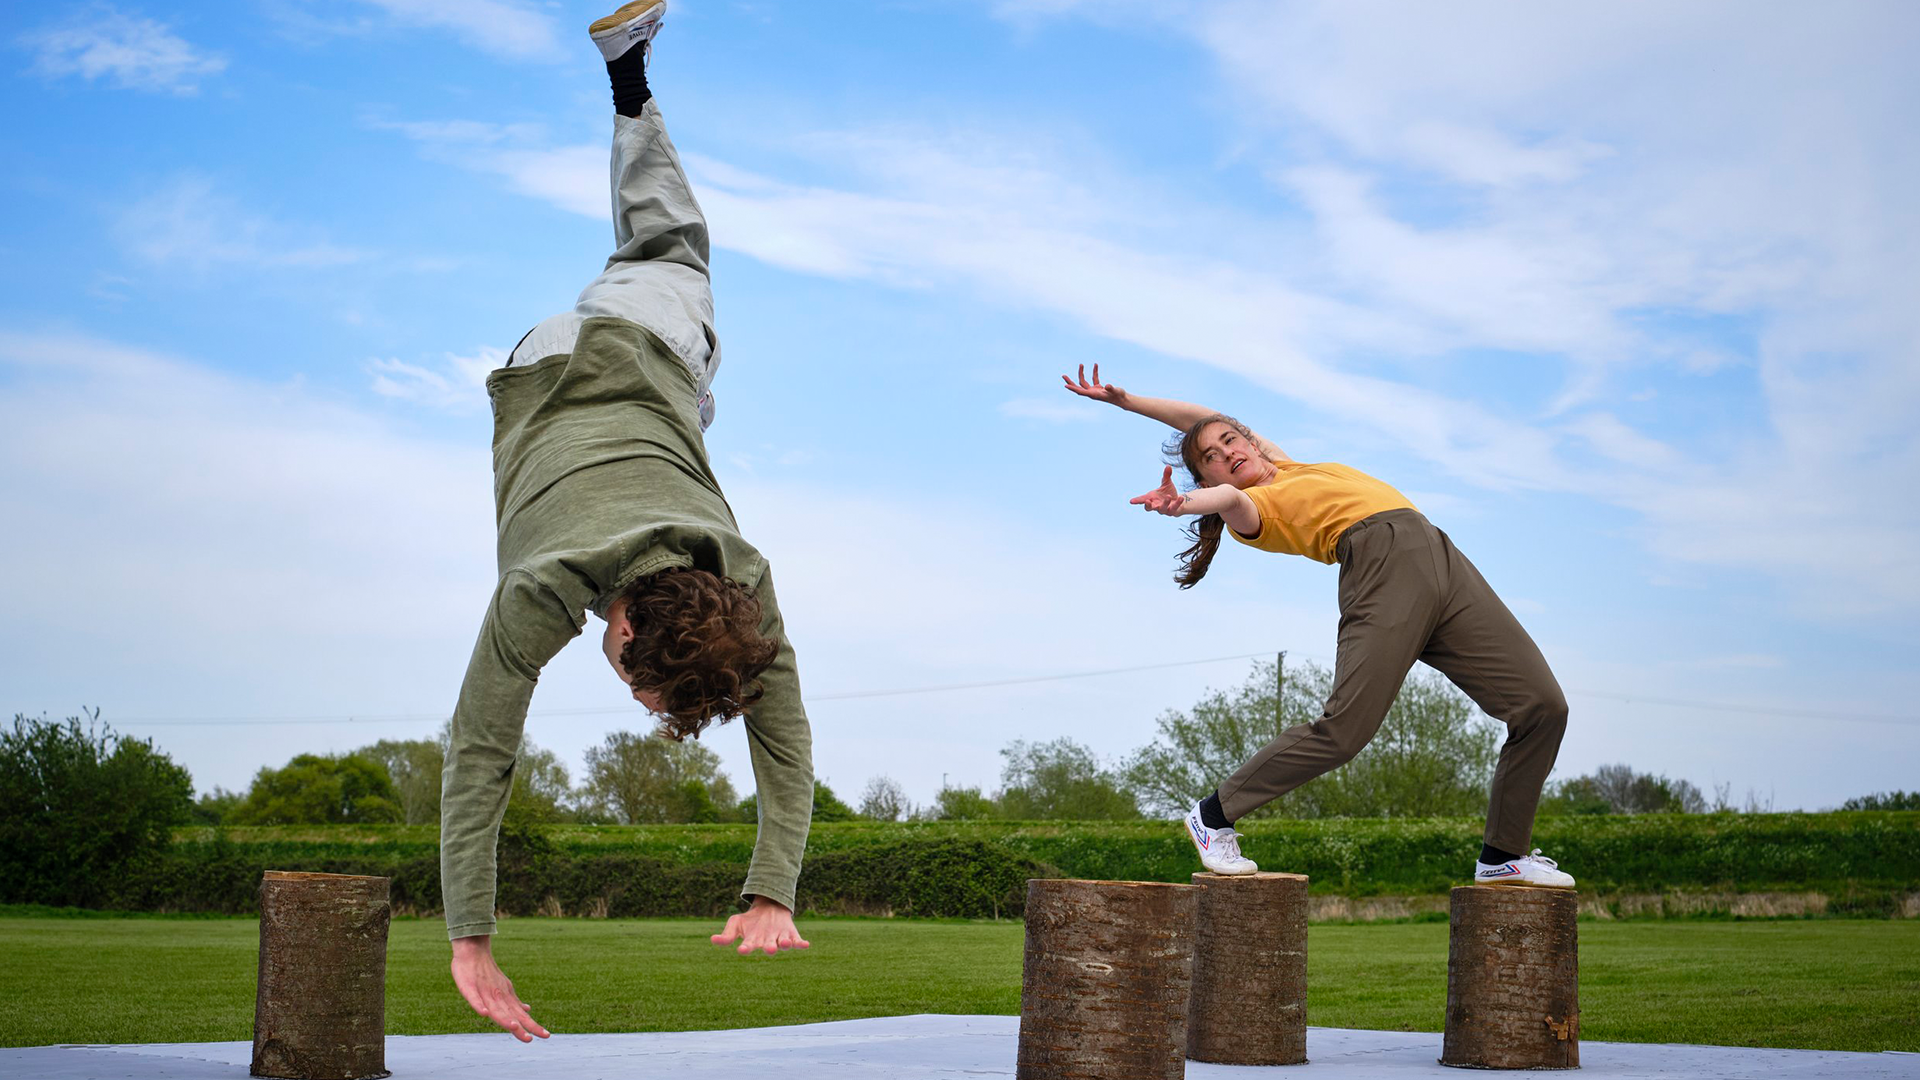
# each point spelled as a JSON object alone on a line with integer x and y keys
{"x": 1305, "y": 507}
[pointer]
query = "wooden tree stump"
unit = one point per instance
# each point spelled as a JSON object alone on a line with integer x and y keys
{"x": 1513, "y": 979}
{"x": 1249, "y": 1001}
{"x": 1103, "y": 991}
{"x": 321, "y": 1010}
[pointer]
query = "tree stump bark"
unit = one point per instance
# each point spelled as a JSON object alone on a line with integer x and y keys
{"x": 1513, "y": 979}
{"x": 321, "y": 1009}
{"x": 1103, "y": 991}
{"x": 1249, "y": 1001}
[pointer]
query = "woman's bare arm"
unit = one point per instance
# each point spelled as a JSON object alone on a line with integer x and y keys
{"x": 1228, "y": 501}
{"x": 1179, "y": 415}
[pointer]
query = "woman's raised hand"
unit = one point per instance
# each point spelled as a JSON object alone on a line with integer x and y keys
{"x": 1096, "y": 389}
{"x": 1165, "y": 499}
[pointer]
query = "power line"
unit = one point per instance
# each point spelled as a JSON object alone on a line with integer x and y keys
{"x": 847, "y": 695}
{"x": 938, "y": 688}
{"x": 1721, "y": 706}
{"x": 1760, "y": 710}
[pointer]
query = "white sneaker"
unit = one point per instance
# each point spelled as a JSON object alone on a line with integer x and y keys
{"x": 1535, "y": 870}
{"x": 634, "y": 24}
{"x": 1219, "y": 848}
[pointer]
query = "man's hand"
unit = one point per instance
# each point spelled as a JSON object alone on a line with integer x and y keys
{"x": 766, "y": 925}
{"x": 488, "y": 989}
{"x": 1165, "y": 499}
{"x": 1095, "y": 389}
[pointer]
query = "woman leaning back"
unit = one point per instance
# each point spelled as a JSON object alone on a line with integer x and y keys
{"x": 1406, "y": 594}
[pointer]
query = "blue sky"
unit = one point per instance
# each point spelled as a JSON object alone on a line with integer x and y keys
{"x": 1622, "y": 296}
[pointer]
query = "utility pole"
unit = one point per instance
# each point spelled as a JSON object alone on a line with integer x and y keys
{"x": 1279, "y": 693}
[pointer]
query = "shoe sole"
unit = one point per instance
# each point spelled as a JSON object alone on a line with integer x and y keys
{"x": 626, "y": 14}
{"x": 1522, "y": 885}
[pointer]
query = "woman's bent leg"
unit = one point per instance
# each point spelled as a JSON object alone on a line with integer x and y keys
{"x": 1485, "y": 651}
{"x": 1388, "y": 603}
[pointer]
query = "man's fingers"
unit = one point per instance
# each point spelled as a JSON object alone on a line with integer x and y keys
{"x": 471, "y": 993}
{"x": 511, "y": 1013}
{"x": 731, "y": 931}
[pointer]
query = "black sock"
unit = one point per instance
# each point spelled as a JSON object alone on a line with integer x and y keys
{"x": 1211, "y": 815}
{"x": 1493, "y": 856}
{"x": 629, "y": 75}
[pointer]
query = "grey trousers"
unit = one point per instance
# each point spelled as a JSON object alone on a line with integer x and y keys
{"x": 657, "y": 275}
{"x": 1406, "y": 594}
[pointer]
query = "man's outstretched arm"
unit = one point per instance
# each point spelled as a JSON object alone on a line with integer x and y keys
{"x": 780, "y": 742}
{"x": 525, "y": 626}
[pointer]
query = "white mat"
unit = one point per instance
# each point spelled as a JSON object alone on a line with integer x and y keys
{"x": 908, "y": 1048}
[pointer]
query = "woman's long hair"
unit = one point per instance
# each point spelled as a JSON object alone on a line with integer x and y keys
{"x": 1184, "y": 450}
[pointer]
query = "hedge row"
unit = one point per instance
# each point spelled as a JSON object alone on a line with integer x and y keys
{"x": 1653, "y": 852}
{"x": 923, "y": 877}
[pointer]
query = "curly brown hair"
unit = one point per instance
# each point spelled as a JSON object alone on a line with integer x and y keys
{"x": 697, "y": 644}
{"x": 1184, "y": 450}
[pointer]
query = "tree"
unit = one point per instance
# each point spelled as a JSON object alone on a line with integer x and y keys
{"x": 962, "y": 804}
{"x": 215, "y": 806}
{"x": 1889, "y": 800}
{"x": 541, "y": 787}
{"x": 78, "y": 804}
{"x": 317, "y": 789}
{"x": 884, "y": 800}
{"x": 1196, "y": 750}
{"x": 1618, "y": 789}
{"x": 826, "y": 806}
{"x": 414, "y": 767}
{"x": 1434, "y": 753}
{"x": 1433, "y": 756}
{"x": 1059, "y": 779}
{"x": 642, "y": 779}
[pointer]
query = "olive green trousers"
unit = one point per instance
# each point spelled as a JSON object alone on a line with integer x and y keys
{"x": 1407, "y": 594}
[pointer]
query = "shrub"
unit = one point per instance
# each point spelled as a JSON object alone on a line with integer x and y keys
{"x": 81, "y": 807}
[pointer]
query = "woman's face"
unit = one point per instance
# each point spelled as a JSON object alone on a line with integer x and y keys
{"x": 1228, "y": 457}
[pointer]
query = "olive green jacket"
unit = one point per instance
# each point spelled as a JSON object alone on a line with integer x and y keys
{"x": 600, "y": 478}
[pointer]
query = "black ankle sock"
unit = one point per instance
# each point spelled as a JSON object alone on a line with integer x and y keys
{"x": 1493, "y": 856}
{"x": 629, "y": 75}
{"x": 1211, "y": 815}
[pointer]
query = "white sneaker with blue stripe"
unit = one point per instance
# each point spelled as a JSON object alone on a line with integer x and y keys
{"x": 1219, "y": 848}
{"x": 1535, "y": 871}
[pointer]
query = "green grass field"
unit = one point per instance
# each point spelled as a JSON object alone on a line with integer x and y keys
{"x": 1831, "y": 984}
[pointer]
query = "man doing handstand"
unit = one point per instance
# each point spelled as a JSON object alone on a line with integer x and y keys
{"x": 606, "y": 503}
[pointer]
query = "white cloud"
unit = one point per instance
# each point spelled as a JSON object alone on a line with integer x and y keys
{"x": 457, "y": 384}
{"x": 189, "y": 223}
{"x": 132, "y": 52}
{"x": 1604, "y": 172}
{"x": 573, "y": 178}
{"x": 502, "y": 28}
{"x": 277, "y": 552}
{"x": 206, "y": 544}
{"x": 1608, "y": 166}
